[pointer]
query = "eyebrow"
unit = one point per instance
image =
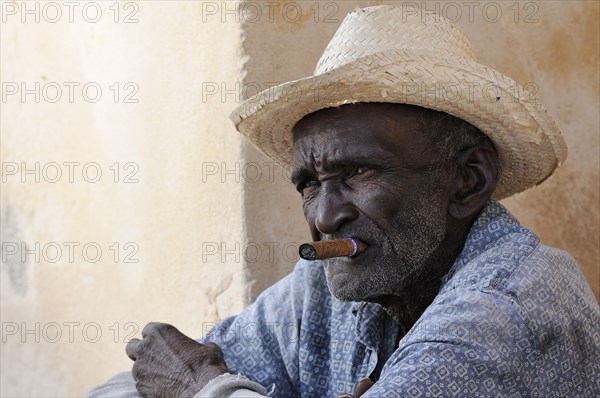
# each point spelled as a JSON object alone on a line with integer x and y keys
{"x": 356, "y": 160}
{"x": 298, "y": 174}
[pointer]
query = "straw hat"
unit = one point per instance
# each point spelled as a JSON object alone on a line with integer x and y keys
{"x": 384, "y": 54}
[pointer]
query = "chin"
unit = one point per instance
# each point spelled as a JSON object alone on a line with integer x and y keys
{"x": 347, "y": 286}
{"x": 340, "y": 284}
{"x": 364, "y": 279}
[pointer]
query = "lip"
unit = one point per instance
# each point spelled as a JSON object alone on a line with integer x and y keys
{"x": 364, "y": 250}
{"x": 360, "y": 256}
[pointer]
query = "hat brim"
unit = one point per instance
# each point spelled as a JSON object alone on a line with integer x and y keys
{"x": 529, "y": 144}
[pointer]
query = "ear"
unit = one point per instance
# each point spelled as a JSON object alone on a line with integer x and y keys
{"x": 475, "y": 178}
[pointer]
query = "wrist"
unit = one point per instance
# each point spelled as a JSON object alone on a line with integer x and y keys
{"x": 194, "y": 383}
{"x": 228, "y": 384}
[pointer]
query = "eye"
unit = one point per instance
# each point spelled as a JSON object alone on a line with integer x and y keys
{"x": 361, "y": 169}
{"x": 358, "y": 171}
{"x": 306, "y": 183}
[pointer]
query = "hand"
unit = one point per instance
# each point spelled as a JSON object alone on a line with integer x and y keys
{"x": 170, "y": 364}
{"x": 361, "y": 387}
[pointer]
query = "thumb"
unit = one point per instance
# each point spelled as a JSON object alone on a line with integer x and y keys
{"x": 362, "y": 386}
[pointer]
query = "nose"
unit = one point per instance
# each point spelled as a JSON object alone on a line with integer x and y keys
{"x": 333, "y": 211}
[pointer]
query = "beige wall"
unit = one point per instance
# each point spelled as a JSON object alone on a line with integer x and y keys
{"x": 167, "y": 216}
{"x": 199, "y": 193}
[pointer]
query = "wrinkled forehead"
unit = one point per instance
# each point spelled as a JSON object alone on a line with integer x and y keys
{"x": 361, "y": 129}
{"x": 364, "y": 113}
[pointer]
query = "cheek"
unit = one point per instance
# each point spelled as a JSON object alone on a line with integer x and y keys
{"x": 310, "y": 214}
{"x": 309, "y": 207}
{"x": 380, "y": 204}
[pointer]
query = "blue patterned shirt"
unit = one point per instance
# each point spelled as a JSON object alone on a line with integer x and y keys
{"x": 513, "y": 318}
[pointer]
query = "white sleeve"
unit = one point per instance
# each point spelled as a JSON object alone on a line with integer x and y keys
{"x": 122, "y": 386}
{"x": 232, "y": 386}
{"x": 225, "y": 386}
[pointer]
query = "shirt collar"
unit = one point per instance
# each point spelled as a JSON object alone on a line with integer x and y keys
{"x": 374, "y": 328}
{"x": 493, "y": 224}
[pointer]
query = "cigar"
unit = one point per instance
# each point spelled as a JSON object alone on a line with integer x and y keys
{"x": 332, "y": 248}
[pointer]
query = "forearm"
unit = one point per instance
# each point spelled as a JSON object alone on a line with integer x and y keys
{"x": 224, "y": 386}
{"x": 232, "y": 386}
{"x": 121, "y": 385}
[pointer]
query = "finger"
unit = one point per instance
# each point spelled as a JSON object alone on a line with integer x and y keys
{"x": 214, "y": 355}
{"x": 362, "y": 386}
{"x": 144, "y": 388}
{"x": 135, "y": 370}
{"x": 151, "y": 328}
{"x": 212, "y": 347}
{"x": 158, "y": 328}
{"x": 133, "y": 348}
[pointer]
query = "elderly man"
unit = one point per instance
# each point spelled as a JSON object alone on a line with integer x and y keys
{"x": 452, "y": 297}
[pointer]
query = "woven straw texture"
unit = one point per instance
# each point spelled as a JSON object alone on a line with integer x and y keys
{"x": 380, "y": 54}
